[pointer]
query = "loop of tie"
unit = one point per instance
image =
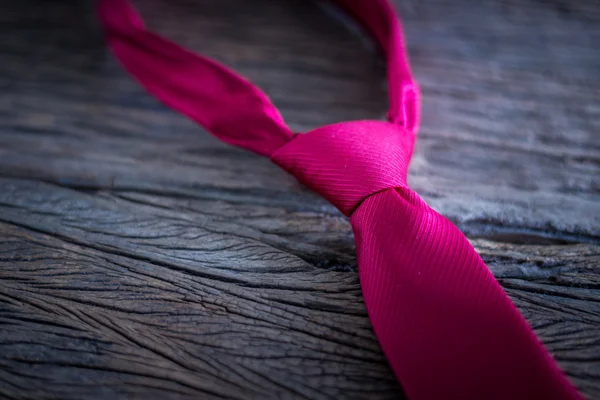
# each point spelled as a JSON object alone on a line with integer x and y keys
{"x": 349, "y": 161}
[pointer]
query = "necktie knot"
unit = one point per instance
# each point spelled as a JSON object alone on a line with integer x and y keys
{"x": 349, "y": 161}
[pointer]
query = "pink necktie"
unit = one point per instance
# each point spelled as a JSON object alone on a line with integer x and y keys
{"x": 444, "y": 323}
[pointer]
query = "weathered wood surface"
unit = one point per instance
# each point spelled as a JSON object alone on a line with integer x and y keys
{"x": 141, "y": 257}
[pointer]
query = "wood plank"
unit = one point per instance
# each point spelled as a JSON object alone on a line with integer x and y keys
{"x": 215, "y": 306}
{"x": 510, "y": 102}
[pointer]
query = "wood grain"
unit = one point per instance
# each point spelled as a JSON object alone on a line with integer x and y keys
{"x": 140, "y": 257}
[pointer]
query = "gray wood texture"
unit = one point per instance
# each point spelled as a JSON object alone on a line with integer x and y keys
{"x": 142, "y": 258}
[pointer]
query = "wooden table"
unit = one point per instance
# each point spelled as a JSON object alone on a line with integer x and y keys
{"x": 141, "y": 257}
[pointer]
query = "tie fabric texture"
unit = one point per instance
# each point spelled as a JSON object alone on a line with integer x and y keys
{"x": 444, "y": 323}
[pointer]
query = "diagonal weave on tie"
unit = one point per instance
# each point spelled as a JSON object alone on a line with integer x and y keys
{"x": 444, "y": 323}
